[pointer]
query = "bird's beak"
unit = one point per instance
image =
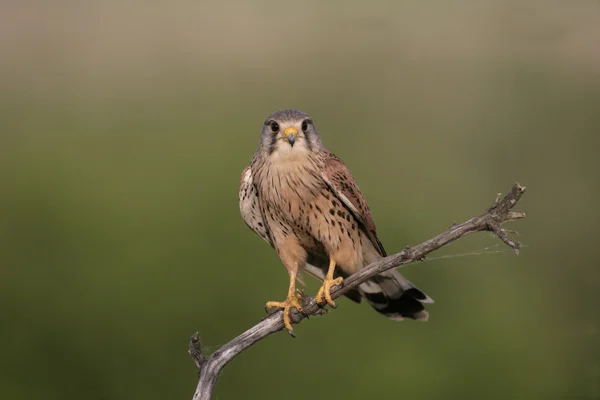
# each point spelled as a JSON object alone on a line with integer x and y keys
{"x": 290, "y": 135}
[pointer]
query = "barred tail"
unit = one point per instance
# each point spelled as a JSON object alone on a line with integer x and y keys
{"x": 395, "y": 297}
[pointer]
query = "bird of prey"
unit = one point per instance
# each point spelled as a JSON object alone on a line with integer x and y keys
{"x": 304, "y": 202}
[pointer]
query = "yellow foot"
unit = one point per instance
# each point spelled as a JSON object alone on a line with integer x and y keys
{"x": 325, "y": 291}
{"x": 293, "y": 300}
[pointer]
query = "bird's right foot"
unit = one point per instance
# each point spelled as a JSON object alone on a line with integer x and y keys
{"x": 293, "y": 300}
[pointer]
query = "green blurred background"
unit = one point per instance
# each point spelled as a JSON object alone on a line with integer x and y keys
{"x": 124, "y": 129}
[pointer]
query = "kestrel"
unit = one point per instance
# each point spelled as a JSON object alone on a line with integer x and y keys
{"x": 303, "y": 201}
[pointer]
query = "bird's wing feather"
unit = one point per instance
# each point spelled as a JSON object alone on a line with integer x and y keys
{"x": 249, "y": 207}
{"x": 339, "y": 179}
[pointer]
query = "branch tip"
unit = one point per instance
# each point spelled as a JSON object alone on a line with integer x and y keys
{"x": 512, "y": 215}
{"x": 502, "y": 235}
{"x": 195, "y": 351}
{"x": 497, "y": 199}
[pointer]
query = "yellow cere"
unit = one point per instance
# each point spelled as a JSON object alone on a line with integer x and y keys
{"x": 289, "y": 131}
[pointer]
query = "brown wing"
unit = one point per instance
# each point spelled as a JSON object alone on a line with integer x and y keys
{"x": 342, "y": 184}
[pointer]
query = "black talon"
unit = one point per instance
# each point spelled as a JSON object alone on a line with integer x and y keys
{"x": 292, "y": 334}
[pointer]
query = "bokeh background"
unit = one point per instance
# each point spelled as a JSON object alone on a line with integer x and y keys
{"x": 123, "y": 131}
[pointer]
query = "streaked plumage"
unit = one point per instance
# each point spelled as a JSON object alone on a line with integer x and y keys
{"x": 304, "y": 202}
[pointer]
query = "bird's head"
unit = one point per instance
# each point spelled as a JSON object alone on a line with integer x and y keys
{"x": 289, "y": 134}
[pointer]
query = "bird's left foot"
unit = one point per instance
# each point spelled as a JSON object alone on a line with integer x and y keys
{"x": 325, "y": 292}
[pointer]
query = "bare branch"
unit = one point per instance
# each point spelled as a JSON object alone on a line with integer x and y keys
{"x": 195, "y": 351}
{"x": 500, "y": 212}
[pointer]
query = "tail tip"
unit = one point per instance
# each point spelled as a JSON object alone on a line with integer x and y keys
{"x": 422, "y": 315}
{"x": 419, "y": 295}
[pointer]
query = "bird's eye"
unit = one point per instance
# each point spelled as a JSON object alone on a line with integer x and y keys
{"x": 304, "y": 125}
{"x": 274, "y": 127}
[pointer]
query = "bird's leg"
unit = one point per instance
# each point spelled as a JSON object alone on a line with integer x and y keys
{"x": 328, "y": 283}
{"x": 292, "y": 300}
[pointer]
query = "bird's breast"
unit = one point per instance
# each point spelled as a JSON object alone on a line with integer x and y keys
{"x": 290, "y": 184}
{"x": 289, "y": 187}
{"x": 296, "y": 201}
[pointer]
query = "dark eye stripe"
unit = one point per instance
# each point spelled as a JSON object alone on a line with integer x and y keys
{"x": 272, "y": 144}
{"x": 308, "y": 135}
